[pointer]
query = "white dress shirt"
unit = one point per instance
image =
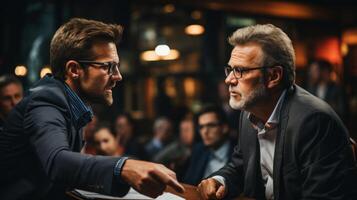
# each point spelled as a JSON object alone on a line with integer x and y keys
{"x": 266, "y": 137}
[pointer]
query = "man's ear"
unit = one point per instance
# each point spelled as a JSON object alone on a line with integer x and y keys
{"x": 72, "y": 69}
{"x": 275, "y": 76}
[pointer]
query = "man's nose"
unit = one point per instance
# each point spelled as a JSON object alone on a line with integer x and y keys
{"x": 116, "y": 77}
{"x": 231, "y": 80}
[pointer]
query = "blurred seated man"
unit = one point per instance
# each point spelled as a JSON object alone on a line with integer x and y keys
{"x": 322, "y": 86}
{"x": 11, "y": 93}
{"x": 162, "y": 136}
{"x": 215, "y": 151}
{"x": 127, "y": 139}
{"x": 88, "y": 134}
{"x": 105, "y": 142}
{"x": 176, "y": 155}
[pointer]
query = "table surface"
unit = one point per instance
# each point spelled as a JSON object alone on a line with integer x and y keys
{"x": 191, "y": 193}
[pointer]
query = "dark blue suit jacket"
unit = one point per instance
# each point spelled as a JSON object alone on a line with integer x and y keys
{"x": 39, "y": 150}
{"x": 198, "y": 163}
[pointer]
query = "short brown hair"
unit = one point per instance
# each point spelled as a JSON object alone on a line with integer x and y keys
{"x": 74, "y": 40}
{"x": 276, "y": 46}
{"x": 7, "y": 79}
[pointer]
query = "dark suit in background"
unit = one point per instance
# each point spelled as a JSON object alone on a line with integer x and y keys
{"x": 39, "y": 150}
{"x": 198, "y": 162}
{"x": 313, "y": 157}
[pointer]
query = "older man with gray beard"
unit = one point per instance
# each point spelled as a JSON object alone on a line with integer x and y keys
{"x": 291, "y": 144}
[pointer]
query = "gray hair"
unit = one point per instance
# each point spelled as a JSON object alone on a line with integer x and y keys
{"x": 159, "y": 122}
{"x": 276, "y": 45}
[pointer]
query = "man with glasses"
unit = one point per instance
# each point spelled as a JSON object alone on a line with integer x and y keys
{"x": 291, "y": 145}
{"x": 216, "y": 147}
{"x": 42, "y": 138}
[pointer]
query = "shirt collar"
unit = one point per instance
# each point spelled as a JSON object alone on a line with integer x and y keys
{"x": 221, "y": 152}
{"x": 81, "y": 113}
{"x": 273, "y": 119}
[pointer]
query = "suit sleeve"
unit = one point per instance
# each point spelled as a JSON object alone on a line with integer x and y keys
{"x": 327, "y": 167}
{"x": 47, "y": 131}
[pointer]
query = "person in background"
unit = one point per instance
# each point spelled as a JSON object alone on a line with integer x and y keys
{"x": 43, "y": 135}
{"x": 124, "y": 127}
{"x": 322, "y": 86}
{"x": 162, "y": 129}
{"x": 216, "y": 147}
{"x": 105, "y": 141}
{"x": 88, "y": 133}
{"x": 291, "y": 144}
{"x": 176, "y": 155}
{"x": 11, "y": 93}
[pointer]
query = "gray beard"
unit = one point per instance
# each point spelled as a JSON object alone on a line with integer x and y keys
{"x": 250, "y": 100}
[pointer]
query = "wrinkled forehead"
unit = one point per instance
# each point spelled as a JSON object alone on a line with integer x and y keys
{"x": 250, "y": 54}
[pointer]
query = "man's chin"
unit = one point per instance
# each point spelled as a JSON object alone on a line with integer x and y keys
{"x": 236, "y": 105}
{"x": 108, "y": 101}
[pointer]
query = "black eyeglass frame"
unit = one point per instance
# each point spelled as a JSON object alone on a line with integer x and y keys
{"x": 112, "y": 66}
{"x": 239, "y": 70}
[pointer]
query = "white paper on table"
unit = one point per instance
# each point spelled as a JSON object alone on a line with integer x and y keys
{"x": 132, "y": 194}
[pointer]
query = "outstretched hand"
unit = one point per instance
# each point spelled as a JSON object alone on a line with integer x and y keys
{"x": 149, "y": 178}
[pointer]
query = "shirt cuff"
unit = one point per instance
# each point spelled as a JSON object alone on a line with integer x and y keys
{"x": 118, "y": 168}
{"x": 220, "y": 179}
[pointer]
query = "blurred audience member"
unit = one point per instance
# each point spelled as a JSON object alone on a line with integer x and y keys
{"x": 105, "y": 141}
{"x": 124, "y": 128}
{"x": 88, "y": 132}
{"x": 11, "y": 92}
{"x": 176, "y": 155}
{"x": 215, "y": 151}
{"x": 322, "y": 86}
{"x": 162, "y": 136}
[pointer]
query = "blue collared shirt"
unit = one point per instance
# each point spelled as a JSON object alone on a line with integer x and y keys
{"x": 218, "y": 159}
{"x": 82, "y": 115}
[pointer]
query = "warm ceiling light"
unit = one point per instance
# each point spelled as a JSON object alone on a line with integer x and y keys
{"x": 162, "y": 50}
{"x": 149, "y": 56}
{"x": 174, "y": 54}
{"x": 194, "y": 29}
{"x": 44, "y": 71}
{"x": 20, "y": 70}
{"x": 169, "y": 8}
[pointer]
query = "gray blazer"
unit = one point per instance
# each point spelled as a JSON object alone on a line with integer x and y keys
{"x": 313, "y": 157}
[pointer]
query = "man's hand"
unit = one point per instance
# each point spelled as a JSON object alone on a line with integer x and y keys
{"x": 149, "y": 178}
{"x": 211, "y": 189}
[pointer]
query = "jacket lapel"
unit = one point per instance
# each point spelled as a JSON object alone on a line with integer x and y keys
{"x": 279, "y": 143}
{"x": 254, "y": 187}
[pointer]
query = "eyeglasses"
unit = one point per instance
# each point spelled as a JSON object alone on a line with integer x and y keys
{"x": 113, "y": 67}
{"x": 209, "y": 125}
{"x": 238, "y": 71}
